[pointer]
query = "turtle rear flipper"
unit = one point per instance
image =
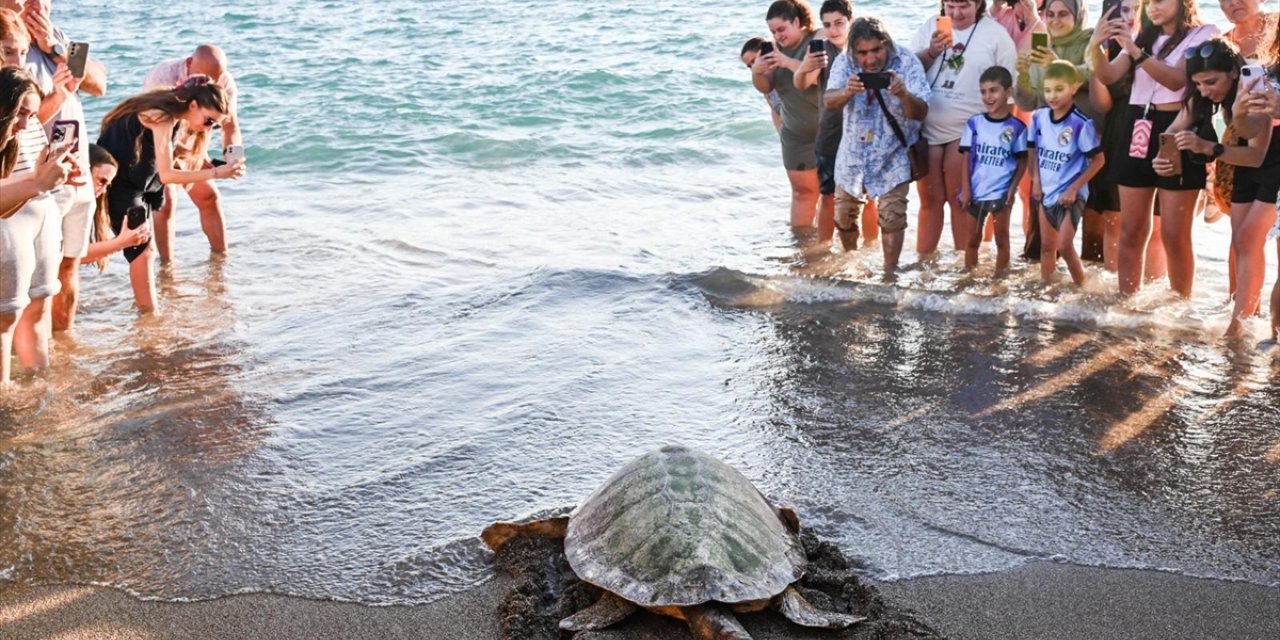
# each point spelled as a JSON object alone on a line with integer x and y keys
{"x": 798, "y": 610}
{"x": 497, "y": 534}
{"x": 608, "y": 610}
{"x": 709, "y": 622}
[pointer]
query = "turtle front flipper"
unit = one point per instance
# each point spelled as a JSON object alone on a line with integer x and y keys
{"x": 798, "y": 610}
{"x": 497, "y": 534}
{"x": 709, "y": 622}
{"x": 609, "y": 609}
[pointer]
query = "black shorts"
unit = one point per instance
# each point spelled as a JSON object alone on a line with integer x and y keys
{"x": 1128, "y": 171}
{"x": 1255, "y": 184}
{"x": 1059, "y": 212}
{"x": 980, "y": 209}
{"x": 826, "y": 175}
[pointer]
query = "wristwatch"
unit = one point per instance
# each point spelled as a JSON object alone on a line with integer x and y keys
{"x": 1218, "y": 150}
{"x": 57, "y": 50}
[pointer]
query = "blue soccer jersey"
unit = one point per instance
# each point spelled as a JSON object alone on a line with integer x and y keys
{"x": 994, "y": 147}
{"x": 1063, "y": 149}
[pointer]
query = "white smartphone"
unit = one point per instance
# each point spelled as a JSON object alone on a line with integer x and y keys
{"x": 233, "y": 153}
{"x": 77, "y": 57}
{"x": 64, "y": 137}
{"x": 1251, "y": 77}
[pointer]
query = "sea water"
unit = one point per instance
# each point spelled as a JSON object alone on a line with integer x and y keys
{"x": 485, "y": 254}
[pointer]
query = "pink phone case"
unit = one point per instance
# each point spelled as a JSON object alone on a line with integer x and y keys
{"x": 1140, "y": 143}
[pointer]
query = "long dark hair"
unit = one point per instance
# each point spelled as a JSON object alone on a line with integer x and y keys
{"x": 101, "y": 219}
{"x": 1224, "y": 58}
{"x": 15, "y": 84}
{"x": 173, "y": 103}
{"x": 1188, "y": 19}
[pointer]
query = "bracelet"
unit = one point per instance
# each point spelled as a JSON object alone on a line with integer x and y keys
{"x": 1141, "y": 59}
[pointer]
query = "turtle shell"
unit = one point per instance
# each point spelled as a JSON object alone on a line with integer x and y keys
{"x": 677, "y": 527}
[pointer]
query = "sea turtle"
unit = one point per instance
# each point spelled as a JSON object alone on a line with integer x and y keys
{"x": 682, "y": 534}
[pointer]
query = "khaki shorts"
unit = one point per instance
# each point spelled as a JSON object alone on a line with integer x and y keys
{"x": 891, "y": 207}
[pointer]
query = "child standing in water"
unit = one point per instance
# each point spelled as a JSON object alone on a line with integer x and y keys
{"x": 996, "y": 145}
{"x": 1068, "y": 154}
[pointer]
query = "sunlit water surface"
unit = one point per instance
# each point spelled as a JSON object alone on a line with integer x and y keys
{"x": 485, "y": 257}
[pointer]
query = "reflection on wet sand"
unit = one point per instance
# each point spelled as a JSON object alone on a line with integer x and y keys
{"x": 146, "y": 422}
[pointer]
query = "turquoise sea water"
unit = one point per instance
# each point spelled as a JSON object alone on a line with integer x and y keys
{"x": 486, "y": 254}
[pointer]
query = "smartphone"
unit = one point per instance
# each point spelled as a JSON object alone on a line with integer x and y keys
{"x": 77, "y": 57}
{"x": 1169, "y": 151}
{"x": 1108, "y": 5}
{"x": 817, "y": 46}
{"x": 944, "y": 25}
{"x": 136, "y": 216}
{"x": 875, "y": 80}
{"x": 64, "y": 137}
{"x": 766, "y": 48}
{"x": 233, "y": 153}
{"x": 1012, "y": 3}
{"x": 1250, "y": 76}
{"x": 1039, "y": 41}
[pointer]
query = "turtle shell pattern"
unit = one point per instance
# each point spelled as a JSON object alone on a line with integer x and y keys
{"x": 677, "y": 527}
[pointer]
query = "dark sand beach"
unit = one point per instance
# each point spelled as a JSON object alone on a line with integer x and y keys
{"x": 1040, "y": 601}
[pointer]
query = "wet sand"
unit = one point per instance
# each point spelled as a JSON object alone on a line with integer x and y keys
{"x": 1040, "y": 601}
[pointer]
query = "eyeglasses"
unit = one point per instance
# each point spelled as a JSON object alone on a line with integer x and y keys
{"x": 211, "y": 123}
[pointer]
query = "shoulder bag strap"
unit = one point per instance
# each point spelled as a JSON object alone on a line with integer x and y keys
{"x": 893, "y": 122}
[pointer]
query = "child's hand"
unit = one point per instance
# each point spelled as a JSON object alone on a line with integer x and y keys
{"x": 1013, "y": 193}
{"x": 1069, "y": 196}
{"x": 963, "y": 197}
{"x": 1037, "y": 194}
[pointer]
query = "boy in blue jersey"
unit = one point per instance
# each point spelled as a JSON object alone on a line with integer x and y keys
{"x": 1067, "y": 155}
{"x": 996, "y": 145}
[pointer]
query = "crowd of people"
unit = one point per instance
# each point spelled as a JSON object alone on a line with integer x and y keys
{"x": 67, "y": 202}
{"x": 1126, "y": 129}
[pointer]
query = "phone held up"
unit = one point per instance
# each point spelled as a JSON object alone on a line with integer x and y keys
{"x": 817, "y": 46}
{"x": 77, "y": 58}
{"x": 1169, "y": 151}
{"x": 136, "y": 216}
{"x": 944, "y": 25}
{"x": 65, "y": 137}
{"x": 875, "y": 81}
{"x": 233, "y": 153}
{"x": 1039, "y": 40}
{"x": 1250, "y": 76}
{"x": 766, "y": 48}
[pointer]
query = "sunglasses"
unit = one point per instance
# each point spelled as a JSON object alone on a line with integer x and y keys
{"x": 1205, "y": 50}
{"x": 211, "y": 123}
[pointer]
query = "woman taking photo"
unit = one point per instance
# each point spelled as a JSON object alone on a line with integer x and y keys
{"x": 30, "y": 224}
{"x": 792, "y": 25}
{"x": 955, "y": 49}
{"x": 1159, "y": 85}
{"x": 1213, "y": 77}
{"x": 102, "y": 171}
{"x": 139, "y": 133}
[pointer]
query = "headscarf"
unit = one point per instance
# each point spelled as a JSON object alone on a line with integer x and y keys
{"x": 1073, "y": 46}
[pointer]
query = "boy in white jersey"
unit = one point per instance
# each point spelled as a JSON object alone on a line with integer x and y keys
{"x": 996, "y": 147}
{"x": 1068, "y": 154}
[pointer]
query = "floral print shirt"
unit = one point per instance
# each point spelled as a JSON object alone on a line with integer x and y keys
{"x": 871, "y": 160}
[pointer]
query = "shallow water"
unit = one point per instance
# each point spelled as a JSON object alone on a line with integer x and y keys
{"x": 476, "y": 267}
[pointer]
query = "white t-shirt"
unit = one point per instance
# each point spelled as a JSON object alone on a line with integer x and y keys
{"x": 956, "y": 95}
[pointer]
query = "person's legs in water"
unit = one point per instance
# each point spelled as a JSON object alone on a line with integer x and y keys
{"x": 1110, "y": 239}
{"x": 804, "y": 197}
{"x": 932, "y": 192}
{"x": 892, "y": 215}
{"x": 30, "y": 339}
{"x": 870, "y": 222}
{"x": 1067, "y": 246}
{"x": 1048, "y": 247}
{"x": 142, "y": 279}
{"x": 162, "y": 217}
{"x": 77, "y": 222}
{"x": 1001, "y": 218}
{"x": 1250, "y": 223}
{"x": 208, "y": 201}
{"x": 1177, "y": 212}
{"x": 847, "y": 208}
{"x": 8, "y": 322}
{"x": 1135, "y": 232}
{"x": 1275, "y": 300}
{"x": 952, "y": 172}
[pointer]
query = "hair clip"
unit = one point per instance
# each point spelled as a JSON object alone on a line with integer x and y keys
{"x": 198, "y": 80}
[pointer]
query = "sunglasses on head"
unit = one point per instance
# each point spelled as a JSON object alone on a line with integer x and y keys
{"x": 1205, "y": 50}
